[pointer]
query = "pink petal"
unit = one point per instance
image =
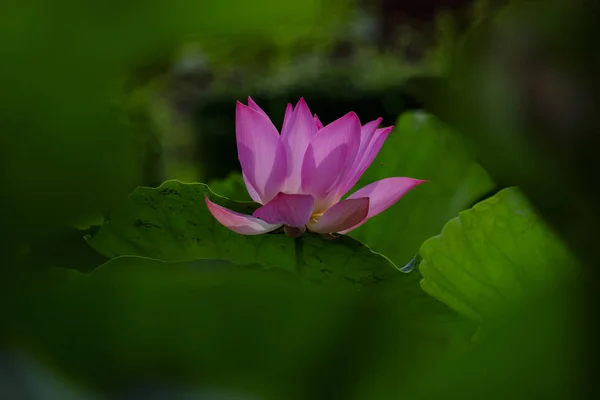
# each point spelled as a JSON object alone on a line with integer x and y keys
{"x": 287, "y": 118}
{"x": 341, "y": 216}
{"x": 287, "y": 209}
{"x": 329, "y": 158}
{"x": 318, "y": 122}
{"x": 297, "y": 134}
{"x": 261, "y": 152}
{"x": 383, "y": 194}
{"x": 365, "y": 159}
{"x": 239, "y": 223}
{"x": 252, "y": 104}
{"x": 366, "y": 134}
{"x": 251, "y": 191}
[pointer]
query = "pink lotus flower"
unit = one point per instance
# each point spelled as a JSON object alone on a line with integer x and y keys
{"x": 301, "y": 175}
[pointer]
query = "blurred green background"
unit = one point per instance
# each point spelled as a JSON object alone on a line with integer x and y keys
{"x": 100, "y": 97}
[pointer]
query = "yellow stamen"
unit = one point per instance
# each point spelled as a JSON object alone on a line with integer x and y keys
{"x": 315, "y": 217}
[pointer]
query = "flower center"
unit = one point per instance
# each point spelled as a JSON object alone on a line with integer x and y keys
{"x": 315, "y": 217}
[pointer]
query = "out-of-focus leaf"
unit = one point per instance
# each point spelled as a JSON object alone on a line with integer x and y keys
{"x": 493, "y": 255}
{"x": 535, "y": 352}
{"x": 210, "y": 323}
{"x": 172, "y": 223}
{"x": 432, "y": 333}
{"x": 24, "y": 378}
{"x": 202, "y": 323}
{"x": 421, "y": 147}
{"x": 69, "y": 146}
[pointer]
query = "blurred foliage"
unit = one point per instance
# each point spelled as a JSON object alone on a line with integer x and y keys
{"x": 67, "y": 146}
{"x": 533, "y": 352}
{"x": 264, "y": 332}
{"x": 523, "y": 90}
